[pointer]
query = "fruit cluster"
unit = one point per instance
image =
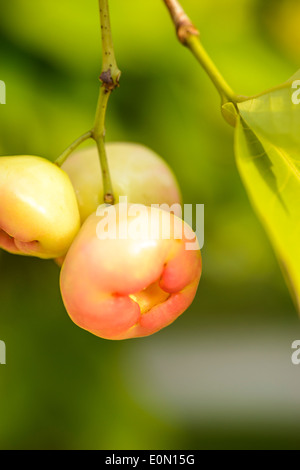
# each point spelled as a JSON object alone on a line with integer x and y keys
{"x": 119, "y": 287}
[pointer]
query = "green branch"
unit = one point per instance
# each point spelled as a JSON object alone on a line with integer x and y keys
{"x": 188, "y": 35}
{"x": 62, "y": 158}
{"x": 109, "y": 77}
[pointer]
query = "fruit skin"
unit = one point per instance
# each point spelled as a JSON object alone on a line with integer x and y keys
{"x": 39, "y": 214}
{"x": 136, "y": 172}
{"x": 125, "y": 288}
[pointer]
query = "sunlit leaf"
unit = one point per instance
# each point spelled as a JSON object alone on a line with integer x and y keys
{"x": 267, "y": 145}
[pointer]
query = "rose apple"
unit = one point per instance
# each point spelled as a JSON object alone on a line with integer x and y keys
{"x": 39, "y": 214}
{"x": 136, "y": 172}
{"x": 132, "y": 280}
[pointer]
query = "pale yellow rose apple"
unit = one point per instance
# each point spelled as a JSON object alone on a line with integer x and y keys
{"x": 136, "y": 172}
{"x": 39, "y": 214}
{"x": 133, "y": 280}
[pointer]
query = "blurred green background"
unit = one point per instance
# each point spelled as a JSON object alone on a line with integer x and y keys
{"x": 221, "y": 376}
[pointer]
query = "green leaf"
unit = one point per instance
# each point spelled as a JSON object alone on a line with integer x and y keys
{"x": 267, "y": 147}
{"x": 274, "y": 116}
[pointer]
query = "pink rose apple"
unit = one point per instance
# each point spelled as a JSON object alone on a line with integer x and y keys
{"x": 39, "y": 214}
{"x": 136, "y": 172}
{"x": 131, "y": 278}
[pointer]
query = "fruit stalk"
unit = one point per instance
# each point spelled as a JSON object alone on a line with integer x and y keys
{"x": 109, "y": 78}
{"x": 63, "y": 157}
{"x": 110, "y": 72}
{"x": 188, "y": 35}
